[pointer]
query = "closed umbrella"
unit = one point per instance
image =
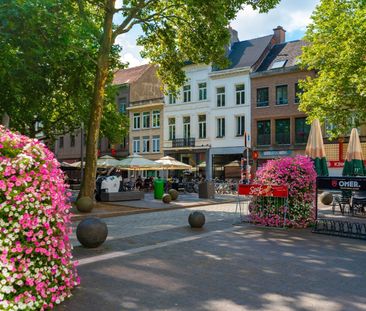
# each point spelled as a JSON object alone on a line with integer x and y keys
{"x": 169, "y": 163}
{"x": 354, "y": 163}
{"x": 315, "y": 149}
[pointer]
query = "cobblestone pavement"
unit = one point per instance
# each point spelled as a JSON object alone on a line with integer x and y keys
{"x": 154, "y": 261}
{"x": 125, "y": 226}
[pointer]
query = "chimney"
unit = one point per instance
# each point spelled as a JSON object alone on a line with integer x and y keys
{"x": 233, "y": 36}
{"x": 279, "y": 34}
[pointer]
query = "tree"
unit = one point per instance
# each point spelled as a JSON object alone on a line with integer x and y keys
{"x": 48, "y": 52}
{"x": 337, "y": 51}
{"x": 173, "y": 32}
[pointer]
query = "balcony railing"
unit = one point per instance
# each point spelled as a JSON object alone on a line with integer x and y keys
{"x": 183, "y": 142}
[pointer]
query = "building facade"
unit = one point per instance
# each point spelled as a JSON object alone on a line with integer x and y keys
{"x": 205, "y": 125}
{"x": 146, "y": 115}
{"x": 278, "y": 127}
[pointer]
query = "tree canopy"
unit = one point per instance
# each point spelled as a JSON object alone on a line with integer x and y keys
{"x": 174, "y": 32}
{"x": 337, "y": 51}
{"x": 47, "y": 67}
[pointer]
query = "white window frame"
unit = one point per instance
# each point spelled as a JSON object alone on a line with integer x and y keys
{"x": 156, "y": 144}
{"x": 136, "y": 145}
{"x": 220, "y": 97}
{"x": 220, "y": 127}
{"x": 136, "y": 120}
{"x": 240, "y": 125}
{"x": 202, "y": 127}
{"x": 146, "y": 117}
{"x": 171, "y": 99}
{"x": 240, "y": 94}
{"x": 171, "y": 128}
{"x": 155, "y": 119}
{"x": 145, "y": 144}
{"x": 186, "y": 127}
{"x": 187, "y": 93}
{"x": 202, "y": 91}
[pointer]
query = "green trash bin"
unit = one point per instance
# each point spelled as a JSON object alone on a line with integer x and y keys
{"x": 158, "y": 189}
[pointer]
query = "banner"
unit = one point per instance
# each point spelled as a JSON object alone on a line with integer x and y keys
{"x": 263, "y": 190}
{"x": 341, "y": 183}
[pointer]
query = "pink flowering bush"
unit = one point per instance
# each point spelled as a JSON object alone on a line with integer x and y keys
{"x": 35, "y": 252}
{"x": 299, "y": 176}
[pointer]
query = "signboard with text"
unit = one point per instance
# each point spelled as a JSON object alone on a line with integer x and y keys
{"x": 263, "y": 190}
{"x": 341, "y": 183}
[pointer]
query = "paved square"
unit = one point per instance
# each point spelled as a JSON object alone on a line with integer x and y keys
{"x": 161, "y": 264}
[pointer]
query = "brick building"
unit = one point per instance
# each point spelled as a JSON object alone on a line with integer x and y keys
{"x": 278, "y": 127}
{"x": 146, "y": 102}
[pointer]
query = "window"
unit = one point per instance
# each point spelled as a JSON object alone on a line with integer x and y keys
{"x": 262, "y": 97}
{"x": 301, "y": 131}
{"x": 146, "y": 120}
{"x": 281, "y": 95}
{"x": 186, "y": 127}
{"x": 202, "y": 91}
{"x": 221, "y": 127}
{"x": 136, "y": 121}
{"x": 283, "y": 132}
{"x": 264, "y": 133}
{"x": 146, "y": 144}
{"x": 202, "y": 126}
{"x": 171, "y": 123}
{"x": 171, "y": 99}
{"x": 61, "y": 142}
{"x": 122, "y": 104}
{"x": 136, "y": 144}
{"x": 240, "y": 94}
{"x": 156, "y": 118}
{"x": 279, "y": 64}
{"x": 72, "y": 140}
{"x": 220, "y": 97}
{"x": 124, "y": 143}
{"x": 156, "y": 143}
{"x": 187, "y": 93}
{"x": 240, "y": 125}
{"x": 298, "y": 91}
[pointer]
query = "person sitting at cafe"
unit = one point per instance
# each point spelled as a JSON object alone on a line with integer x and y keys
{"x": 139, "y": 183}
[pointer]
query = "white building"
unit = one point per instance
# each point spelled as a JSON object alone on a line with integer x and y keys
{"x": 206, "y": 123}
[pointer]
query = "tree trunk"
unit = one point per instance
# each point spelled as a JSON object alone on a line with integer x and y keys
{"x": 96, "y": 108}
{"x": 5, "y": 120}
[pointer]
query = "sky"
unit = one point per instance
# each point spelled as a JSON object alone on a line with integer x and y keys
{"x": 292, "y": 15}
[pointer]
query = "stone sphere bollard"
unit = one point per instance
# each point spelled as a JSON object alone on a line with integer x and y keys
{"x": 326, "y": 198}
{"x": 91, "y": 232}
{"x": 174, "y": 194}
{"x": 167, "y": 198}
{"x": 84, "y": 205}
{"x": 196, "y": 219}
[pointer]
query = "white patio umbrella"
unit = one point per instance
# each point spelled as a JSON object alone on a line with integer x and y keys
{"x": 136, "y": 162}
{"x": 102, "y": 162}
{"x": 169, "y": 163}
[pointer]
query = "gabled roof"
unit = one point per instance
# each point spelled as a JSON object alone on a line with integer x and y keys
{"x": 129, "y": 75}
{"x": 246, "y": 53}
{"x": 282, "y": 55}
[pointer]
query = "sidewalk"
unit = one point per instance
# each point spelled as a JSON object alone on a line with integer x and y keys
{"x": 149, "y": 204}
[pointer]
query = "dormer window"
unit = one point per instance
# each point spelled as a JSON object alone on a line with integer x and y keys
{"x": 279, "y": 64}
